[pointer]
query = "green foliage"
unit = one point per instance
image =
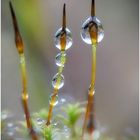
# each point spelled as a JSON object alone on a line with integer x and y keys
{"x": 41, "y": 114}
{"x": 51, "y": 132}
{"x": 47, "y": 132}
{"x": 73, "y": 113}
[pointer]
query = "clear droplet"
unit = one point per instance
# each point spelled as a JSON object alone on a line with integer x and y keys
{"x": 91, "y": 91}
{"x": 40, "y": 121}
{"x": 25, "y": 96}
{"x": 60, "y": 59}
{"x": 58, "y": 81}
{"x": 53, "y": 102}
{"x": 9, "y": 125}
{"x": 22, "y": 59}
{"x": 96, "y": 134}
{"x": 59, "y": 35}
{"x": 10, "y": 129}
{"x": 63, "y": 100}
{"x": 5, "y": 114}
{"x": 55, "y": 123}
{"x": 85, "y": 30}
{"x": 66, "y": 131}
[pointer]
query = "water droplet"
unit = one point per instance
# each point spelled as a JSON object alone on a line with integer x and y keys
{"x": 5, "y": 114}
{"x": 85, "y": 30}
{"x": 10, "y": 129}
{"x": 96, "y": 134}
{"x": 59, "y": 35}
{"x": 66, "y": 131}
{"x": 66, "y": 128}
{"x": 63, "y": 100}
{"x": 55, "y": 124}
{"x": 91, "y": 92}
{"x": 10, "y": 133}
{"x": 58, "y": 81}
{"x": 25, "y": 96}
{"x": 55, "y": 101}
{"x": 22, "y": 59}
{"x": 40, "y": 121}
{"x": 10, "y": 125}
{"x": 60, "y": 59}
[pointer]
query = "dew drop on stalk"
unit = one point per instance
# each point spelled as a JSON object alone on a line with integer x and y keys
{"x": 53, "y": 102}
{"x": 86, "y": 26}
{"x": 60, "y": 34}
{"x": 60, "y": 59}
{"x": 58, "y": 81}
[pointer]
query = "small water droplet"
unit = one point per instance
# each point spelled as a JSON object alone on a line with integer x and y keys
{"x": 91, "y": 92}
{"x": 10, "y": 133}
{"x": 85, "y": 30}
{"x": 10, "y": 129}
{"x": 10, "y": 125}
{"x": 55, "y": 102}
{"x": 60, "y": 59}
{"x": 60, "y": 34}
{"x": 40, "y": 121}
{"x": 96, "y": 134}
{"x": 25, "y": 96}
{"x": 63, "y": 100}
{"x": 55, "y": 124}
{"x": 65, "y": 128}
{"x": 22, "y": 59}
{"x": 5, "y": 114}
{"x": 66, "y": 131}
{"x": 58, "y": 81}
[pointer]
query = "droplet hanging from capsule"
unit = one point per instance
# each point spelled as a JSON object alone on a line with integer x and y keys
{"x": 90, "y": 22}
{"x": 63, "y": 37}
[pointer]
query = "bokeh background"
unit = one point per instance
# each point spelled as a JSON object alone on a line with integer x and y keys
{"x": 117, "y": 58}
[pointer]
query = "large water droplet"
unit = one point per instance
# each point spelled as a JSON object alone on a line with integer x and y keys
{"x": 58, "y": 81}
{"x": 60, "y": 59}
{"x": 85, "y": 30}
{"x": 59, "y": 35}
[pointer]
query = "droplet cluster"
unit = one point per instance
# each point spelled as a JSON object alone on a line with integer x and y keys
{"x": 63, "y": 41}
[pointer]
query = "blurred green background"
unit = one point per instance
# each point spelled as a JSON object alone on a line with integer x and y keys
{"x": 117, "y": 58}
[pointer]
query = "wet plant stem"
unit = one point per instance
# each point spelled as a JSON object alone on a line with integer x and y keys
{"x": 60, "y": 69}
{"x": 24, "y": 97}
{"x": 89, "y": 115}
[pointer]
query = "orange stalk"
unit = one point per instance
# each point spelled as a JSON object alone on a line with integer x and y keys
{"x": 61, "y": 68}
{"x": 89, "y": 115}
{"x": 20, "y": 48}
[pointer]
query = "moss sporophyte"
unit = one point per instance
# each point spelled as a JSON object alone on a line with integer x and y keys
{"x": 43, "y": 124}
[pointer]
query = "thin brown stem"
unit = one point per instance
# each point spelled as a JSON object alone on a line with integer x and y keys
{"x": 53, "y": 99}
{"x": 89, "y": 115}
{"x": 64, "y": 17}
{"x": 61, "y": 68}
{"x": 20, "y": 48}
{"x": 93, "y": 8}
